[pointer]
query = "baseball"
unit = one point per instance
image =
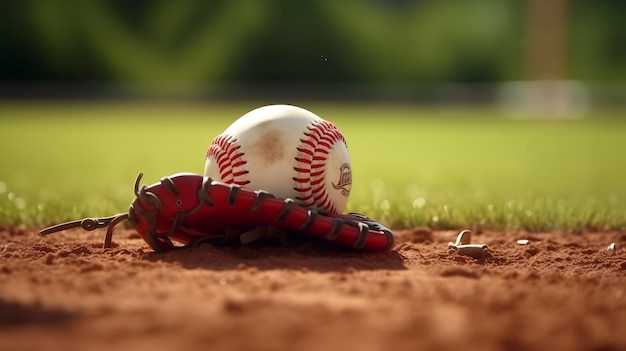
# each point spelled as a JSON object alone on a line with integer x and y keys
{"x": 287, "y": 151}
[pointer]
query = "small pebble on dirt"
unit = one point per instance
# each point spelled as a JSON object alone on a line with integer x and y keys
{"x": 49, "y": 258}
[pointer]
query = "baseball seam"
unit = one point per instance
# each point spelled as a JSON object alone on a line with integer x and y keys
{"x": 317, "y": 142}
{"x": 224, "y": 150}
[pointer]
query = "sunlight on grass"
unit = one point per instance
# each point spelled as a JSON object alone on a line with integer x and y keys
{"x": 412, "y": 166}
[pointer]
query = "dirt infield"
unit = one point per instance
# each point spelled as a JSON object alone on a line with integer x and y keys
{"x": 560, "y": 291}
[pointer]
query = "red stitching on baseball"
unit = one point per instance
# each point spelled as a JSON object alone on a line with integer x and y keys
{"x": 318, "y": 192}
{"x": 223, "y": 149}
{"x": 319, "y": 140}
{"x": 308, "y": 141}
{"x": 306, "y": 198}
{"x": 299, "y": 159}
{"x": 306, "y": 151}
{"x": 317, "y": 181}
{"x": 303, "y": 190}
{"x": 327, "y": 204}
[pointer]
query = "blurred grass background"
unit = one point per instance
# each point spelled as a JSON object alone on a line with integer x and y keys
{"x": 487, "y": 113}
{"x": 412, "y": 165}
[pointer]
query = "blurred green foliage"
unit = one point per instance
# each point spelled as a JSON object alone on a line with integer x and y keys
{"x": 195, "y": 42}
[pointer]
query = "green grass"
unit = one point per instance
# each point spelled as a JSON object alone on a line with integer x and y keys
{"x": 444, "y": 168}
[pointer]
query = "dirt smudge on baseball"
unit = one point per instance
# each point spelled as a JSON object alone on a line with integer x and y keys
{"x": 268, "y": 148}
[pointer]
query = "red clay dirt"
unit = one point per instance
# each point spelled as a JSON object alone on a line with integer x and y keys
{"x": 559, "y": 292}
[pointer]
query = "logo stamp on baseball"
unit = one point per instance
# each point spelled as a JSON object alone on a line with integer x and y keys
{"x": 345, "y": 180}
{"x": 287, "y": 151}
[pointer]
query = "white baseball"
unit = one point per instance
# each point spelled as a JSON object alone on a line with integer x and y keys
{"x": 287, "y": 151}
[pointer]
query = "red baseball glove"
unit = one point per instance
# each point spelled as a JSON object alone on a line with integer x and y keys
{"x": 189, "y": 208}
